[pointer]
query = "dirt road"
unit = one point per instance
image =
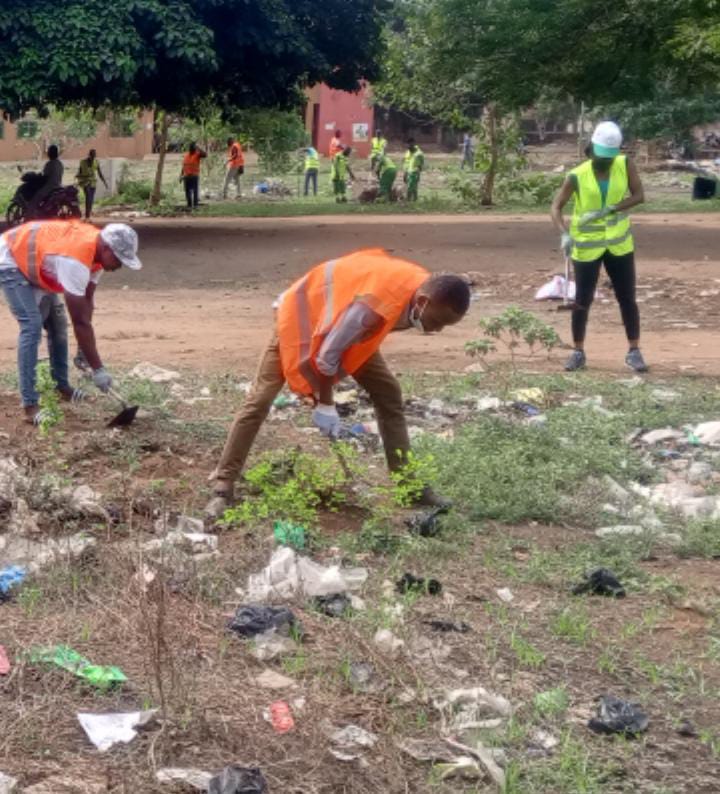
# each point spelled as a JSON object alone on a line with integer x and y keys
{"x": 203, "y": 299}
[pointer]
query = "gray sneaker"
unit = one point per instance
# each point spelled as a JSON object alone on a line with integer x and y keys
{"x": 635, "y": 361}
{"x": 576, "y": 361}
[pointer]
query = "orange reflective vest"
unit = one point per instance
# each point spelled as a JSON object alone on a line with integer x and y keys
{"x": 311, "y": 307}
{"x": 30, "y": 243}
{"x": 236, "y": 158}
{"x": 191, "y": 164}
{"x": 335, "y": 146}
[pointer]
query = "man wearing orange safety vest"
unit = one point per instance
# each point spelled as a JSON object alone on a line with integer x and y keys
{"x": 190, "y": 174}
{"x": 235, "y": 167}
{"x": 41, "y": 260}
{"x": 330, "y": 324}
{"x": 336, "y": 144}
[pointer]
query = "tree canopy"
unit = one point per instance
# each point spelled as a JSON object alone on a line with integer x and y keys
{"x": 170, "y": 53}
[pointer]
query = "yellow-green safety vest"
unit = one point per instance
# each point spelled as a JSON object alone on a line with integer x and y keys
{"x": 415, "y": 161}
{"x": 406, "y": 160}
{"x": 377, "y": 146}
{"x": 312, "y": 160}
{"x": 338, "y": 169}
{"x": 591, "y": 240}
{"x": 386, "y": 164}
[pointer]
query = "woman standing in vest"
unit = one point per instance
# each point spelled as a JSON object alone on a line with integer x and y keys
{"x": 604, "y": 188}
{"x": 312, "y": 166}
{"x": 190, "y": 174}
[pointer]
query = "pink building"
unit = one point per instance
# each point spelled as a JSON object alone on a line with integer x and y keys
{"x": 328, "y": 110}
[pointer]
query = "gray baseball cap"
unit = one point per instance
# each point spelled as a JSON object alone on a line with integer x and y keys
{"x": 123, "y": 241}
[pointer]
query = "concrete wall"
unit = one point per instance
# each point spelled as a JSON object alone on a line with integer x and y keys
{"x": 340, "y": 110}
{"x": 134, "y": 147}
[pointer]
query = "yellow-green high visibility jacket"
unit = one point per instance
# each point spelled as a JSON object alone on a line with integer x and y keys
{"x": 312, "y": 160}
{"x": 591, "y": 240}
{"x": 377, "y": 146}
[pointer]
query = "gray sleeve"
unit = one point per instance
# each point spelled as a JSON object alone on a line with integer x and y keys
{"x": 354, "y": 325}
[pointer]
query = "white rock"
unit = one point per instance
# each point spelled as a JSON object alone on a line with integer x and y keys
{"x": 663, "y": 434}
{"x": 8, "y": 785}
{"x": 708, "y": 432}
{"x": 153, "y": 373}
{"x": 664, "y": 395}
{"x": 34, "y": 555}
{"x": 545, "y": 740}
{"x": 23, "y": 520}
{"x": 349, "y": 742}
{"x": 87, "y": 502}
{"x": 505, "y": 595}
{"x": 699, "y": 472}
{"x": 269, "y": 679}
{"x": 488, "y": 404}
{"x": 621, "y": 530}
{"x": 388, "y": 643}
{"x": 195, "y": 778}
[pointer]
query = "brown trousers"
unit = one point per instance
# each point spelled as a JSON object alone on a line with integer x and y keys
{"x": 374, "y": 376}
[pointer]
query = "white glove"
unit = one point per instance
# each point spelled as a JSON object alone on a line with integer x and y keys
{"x": 566, "y": 243}
{"x": 327, "y": 421}
{"x": 102, "y": 379}
{"x": 597, "y": 215}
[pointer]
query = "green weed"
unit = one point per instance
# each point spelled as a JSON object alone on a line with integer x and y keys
{"x": 552, "y": 702}
{"x": 526, "y": 653}
{"x": 52, "y": 414}
{"x": 572, "y": 624}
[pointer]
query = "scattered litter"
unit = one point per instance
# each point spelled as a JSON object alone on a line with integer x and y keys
{"x": 601, "y": 581}
{"x": 350, "y": 741}
{"x": 334, "y": 606}
{"x": 663, "y": 434}
{"x": 417, "y": 584}
{"x": 288, "y": 534}
{"x": 708, "y": 433}
{"x": 531, "y": 394}
{"x": 470, "y": 709}
{"x": 34, "y": 555}
{"x": 505, "y": 595}
{"x": 153, "y": 373}
{"x": 253, "y": 619}
{"x": 620, "y": 530}
{"x": 238, "y": 780}
{"x": 285, "y": 401}
{"x": 618, "y": 716}
{"x": 10, "y": 577}
{"x": 426, "y": 524}
{"x": 64, "y": 657}
{"x": 105, "y": 730}
{"x": 664, "y": 395}
{"x": 544, "y": 740}
{"x": 363, "y": 677}
{"x": 195, "y": 778}
{"x": 8, "y": 785}
{"x": 552, "y": 701}
{"x": 526, "y": 408}
{"x": 488, "y": 404}
{"x": 4, "y": 661}
{"x": 427, "y": 750}
{"x": 281, "y": 717}
{"x": 388, "y": 643}
{"x": 289, "y": 574}
{"x": 555, "y": 290}
{"x": 269, "y": 679}
{"x": 447, "y": 625}
{"x": 487, "y": 757}
{"x": 270, "y": 644}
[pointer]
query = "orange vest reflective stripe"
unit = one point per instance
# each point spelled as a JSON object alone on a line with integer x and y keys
{"x": 312, "y": 306}
{"x": 30, "y": 243}
{"x": 336, "y": 146}
{"x": 191, "y": 164}
{"x": 236, "y": 158}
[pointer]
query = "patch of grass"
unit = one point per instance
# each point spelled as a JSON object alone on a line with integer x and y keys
{"x": 701, "y": 538}
{"x": 573, "y": 624}
{"x": 552, "y": 702}
{"x": 526, "y": 653}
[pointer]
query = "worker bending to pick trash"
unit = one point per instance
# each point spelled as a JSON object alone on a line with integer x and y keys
{"x": 41, "y": 260}
{"x": 604, "y": 188}
{"x": 329, "y": 324}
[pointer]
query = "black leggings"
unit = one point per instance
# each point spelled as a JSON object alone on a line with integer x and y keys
{"x": 621, "y": 270}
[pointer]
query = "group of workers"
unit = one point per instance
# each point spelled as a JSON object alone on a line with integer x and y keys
{"x": 328, "y": 324}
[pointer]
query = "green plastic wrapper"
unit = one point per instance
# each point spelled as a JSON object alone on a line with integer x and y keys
{"x": 288, "y": 534}
{"x": 64, "y": 657}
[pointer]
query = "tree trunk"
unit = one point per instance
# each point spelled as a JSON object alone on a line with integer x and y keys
{"x": 162, "y": 149}
{"x": 488, "y": 185}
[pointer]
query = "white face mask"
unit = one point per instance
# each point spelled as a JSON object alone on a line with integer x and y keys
{"x": 416, "y": 319}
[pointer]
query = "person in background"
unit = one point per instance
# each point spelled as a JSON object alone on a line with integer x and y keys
{"x": 386, "y": 171}
{"x": 331, "y": 323}
{"x": 53, "y": 174}
{"x": 336, "y": 144}
{"x": 604, "y": 188}
{"x": 378, "y": 145}
{"x": 468, "y": 153}
{"x": 88, "y": 172}
{"x": 415, "y": 160}
{"x": 339, "y": 171}
{"x": 235, "y": 167}
{"x": 312, "y": 166}
{"x": 190, "y": 174}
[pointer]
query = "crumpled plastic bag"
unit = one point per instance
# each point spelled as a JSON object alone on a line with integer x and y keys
{"x": 105, "y": 730}
{"x": 555, "y": 290}
{"x": 601, "y": 581}
{"x": 334, "y": 606}
{"x": 426, "y": 524}
{"x": 439, "y": 624}
{"x": 10, "y": 577}
{"x": 64, "y": 657}
{"x": 238, "y": 780}
{"x": 409, "y": 582}
{"x": 253, "y": 619}
{"x": 618, "y": 716}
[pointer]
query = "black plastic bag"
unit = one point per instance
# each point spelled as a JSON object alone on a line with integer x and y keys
{"x": 426, "y": 524}
{"x": 618, "y": 716}
{"x": 334, "y": 606}
{"x": 410, "y": 582}
{"x": 601, "y": 581}
{"x": 438, "y": 624}
{"x": 238, "y": 780}
{"x": 253, "y": 619}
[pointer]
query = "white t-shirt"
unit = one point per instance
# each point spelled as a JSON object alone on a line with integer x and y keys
{"x": 69, "y": 273}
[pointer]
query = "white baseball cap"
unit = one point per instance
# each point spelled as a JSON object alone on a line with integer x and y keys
{"x": 123, "y": 242}
{"x": 607, "y": 139}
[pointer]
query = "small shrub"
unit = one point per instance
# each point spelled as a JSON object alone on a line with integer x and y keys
{"x": 49, "y": 402}
{"x": 513, "y": 328}
{"x": 134, "y": 191}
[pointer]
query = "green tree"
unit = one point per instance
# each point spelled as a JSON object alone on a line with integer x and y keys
{"x": 172, "y": 54}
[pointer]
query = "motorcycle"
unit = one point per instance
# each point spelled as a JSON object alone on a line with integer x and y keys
{"x": 63, "y": 202}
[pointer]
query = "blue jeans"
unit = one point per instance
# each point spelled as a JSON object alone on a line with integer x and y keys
{"x": 20, "y": 297}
